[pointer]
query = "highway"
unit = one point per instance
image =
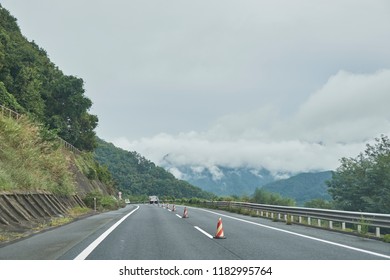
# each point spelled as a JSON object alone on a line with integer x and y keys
{"x": 150, "y": 232}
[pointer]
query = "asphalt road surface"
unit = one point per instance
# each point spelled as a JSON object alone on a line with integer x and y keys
{"x": 150, "y": 232}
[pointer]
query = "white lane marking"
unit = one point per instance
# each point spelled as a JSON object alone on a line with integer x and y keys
{"x": 298, "y": 234}
{"x": 178, "y": 216}
{"x": 204, "y": 232}
{"x": 84, "y": 254}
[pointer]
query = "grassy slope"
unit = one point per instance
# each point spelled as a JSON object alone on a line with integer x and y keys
{"x": 29, "y": 163}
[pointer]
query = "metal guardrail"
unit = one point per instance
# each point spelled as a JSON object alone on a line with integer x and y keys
{"x": 297, "y": 214}
{"x": 6, "y": 112}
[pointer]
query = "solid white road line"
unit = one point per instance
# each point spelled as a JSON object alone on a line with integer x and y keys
{"x": 204, "y": 232}
{"x": 84, "y": 254}
{"x": 298, "y": 234}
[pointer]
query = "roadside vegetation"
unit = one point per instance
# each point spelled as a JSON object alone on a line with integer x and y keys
{"x": 29, "y": 163}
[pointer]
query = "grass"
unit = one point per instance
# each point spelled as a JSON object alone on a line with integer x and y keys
{"x": 79, "y": 211}
{"x": 55, "y": 222}
{"x": 364, "y": 227}
{"x": 9, "y": 236}
{"x": 59, "y": 221}
{"x": 29, "y": 163}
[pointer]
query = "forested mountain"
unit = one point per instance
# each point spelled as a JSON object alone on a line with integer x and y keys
{"x": 31, "y": 84}
{"x": 135, "y": 175}
{"x": 302, "y": 187}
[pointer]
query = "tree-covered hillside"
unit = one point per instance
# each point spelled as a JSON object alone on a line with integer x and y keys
{"x": 302, "y": 187}
{"x": 31, "y": 84}
{"x": 135, "y": 175}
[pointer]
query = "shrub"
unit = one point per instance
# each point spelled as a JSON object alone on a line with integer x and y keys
{"x": 109, "y": 203}
{"x": 89, "y": 199}
{"x": 103, "y": 202}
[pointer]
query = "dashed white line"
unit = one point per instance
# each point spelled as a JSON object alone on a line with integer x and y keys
{"x": 298, "y": 234}
{"x": 204, "y": 232}
{"x": 178, "y": 216}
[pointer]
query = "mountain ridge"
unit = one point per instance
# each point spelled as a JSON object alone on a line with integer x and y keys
{"x": 302, "y": 187}
{"x": 243, "y": 181}
{"x": 135, "y": 175}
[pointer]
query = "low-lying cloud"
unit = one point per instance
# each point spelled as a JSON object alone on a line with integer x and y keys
{"x": 335, "y": 121}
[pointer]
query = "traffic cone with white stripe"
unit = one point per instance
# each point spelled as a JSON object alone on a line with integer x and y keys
{"x": 220, "y": 233}
{"x": 185, "y": 214}
{"x": 173, "y": 208}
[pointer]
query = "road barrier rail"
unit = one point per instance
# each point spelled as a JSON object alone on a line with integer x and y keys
{"x": 362, "y": 221}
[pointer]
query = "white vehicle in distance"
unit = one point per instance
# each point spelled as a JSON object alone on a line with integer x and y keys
{"x": 153, "y": 199}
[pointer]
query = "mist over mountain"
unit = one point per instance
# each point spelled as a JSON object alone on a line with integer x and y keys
{"x": 223, "y": 180}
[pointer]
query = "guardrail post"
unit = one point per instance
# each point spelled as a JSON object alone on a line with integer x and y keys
{"x": 330, "y": 217}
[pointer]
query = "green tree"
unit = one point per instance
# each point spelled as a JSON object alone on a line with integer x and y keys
{"x": 363, "y": 183}
{"x": 66, "y": 111}
{"x": 31, "y": 83}
{"x": 8, "y": 100}
{"x": 319, "y": 203}
{"x": 264, "y": 197}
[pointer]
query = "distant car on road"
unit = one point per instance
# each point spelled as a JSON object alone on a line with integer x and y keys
{"x": 153, "y": 199}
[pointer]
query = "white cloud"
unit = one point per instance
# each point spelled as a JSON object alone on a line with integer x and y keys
{"x": 348, "y": 108}
{"x": 177, "y": 173}
{"x": 334, "y": 122}
{"x": 225, "y": 82}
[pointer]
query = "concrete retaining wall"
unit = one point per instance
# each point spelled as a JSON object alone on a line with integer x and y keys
{"x": 22, "y": 208}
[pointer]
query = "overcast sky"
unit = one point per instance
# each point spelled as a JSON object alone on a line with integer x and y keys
{"x": 286, "y": 85}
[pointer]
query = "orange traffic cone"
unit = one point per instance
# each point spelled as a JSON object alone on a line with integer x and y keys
{"x": 219, "y": 234}
{"x": 173, "y": 208}
{"x": 185, "y": 214}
